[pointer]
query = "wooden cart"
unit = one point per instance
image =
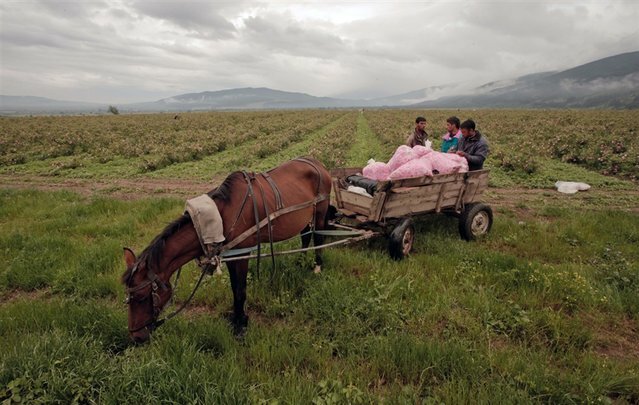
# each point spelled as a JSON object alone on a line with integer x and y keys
{"x": 396, "y": 201}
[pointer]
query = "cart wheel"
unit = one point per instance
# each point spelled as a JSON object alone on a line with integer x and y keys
{"x": 475, "y": 221}
{"x": 401, "y": 239}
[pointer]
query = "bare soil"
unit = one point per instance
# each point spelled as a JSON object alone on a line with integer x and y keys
{"x": 616, "y": 338}
{"x": 522, "y": 201}
{"x": 126, "y": 189}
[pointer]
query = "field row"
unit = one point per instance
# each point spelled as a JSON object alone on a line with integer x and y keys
{"x": 525, "y": 145}
{"x": 147, "y": 142}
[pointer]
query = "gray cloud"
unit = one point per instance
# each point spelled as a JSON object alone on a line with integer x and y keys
{"x": 201, "y": 17}
{"x": 118, "y": 50}
{"x": 277, "y": 34}
{"x": 512, "y": 20}
{"x": 68, "y": 10}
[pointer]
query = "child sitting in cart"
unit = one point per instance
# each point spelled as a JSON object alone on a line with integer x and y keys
{"x": 453, "y": 134}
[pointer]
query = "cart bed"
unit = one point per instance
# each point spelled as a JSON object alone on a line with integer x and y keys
{"x": 398, "y": 198}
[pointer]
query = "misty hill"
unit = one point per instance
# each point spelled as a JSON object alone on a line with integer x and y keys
{"x": 412, "y": 97}
{"x": 244, "y": 98}
{"x": 42, "y": 105}
{"x": 611, "y": 82}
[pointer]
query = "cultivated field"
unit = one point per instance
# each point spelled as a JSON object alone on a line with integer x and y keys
{"x": 545, "y": 309}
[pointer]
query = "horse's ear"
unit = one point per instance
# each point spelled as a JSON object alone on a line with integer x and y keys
{"x": 129, "y": 257}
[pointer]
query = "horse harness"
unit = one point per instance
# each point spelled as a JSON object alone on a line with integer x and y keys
{"x": 211, "y": 254}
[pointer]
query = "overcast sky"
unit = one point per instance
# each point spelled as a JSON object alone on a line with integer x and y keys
{"x": 118, "y": 51}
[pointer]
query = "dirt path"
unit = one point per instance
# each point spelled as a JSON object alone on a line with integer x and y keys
{"x": 517, "y": 199}
{"x": 126, "y": 189}
{"x": 523, "y": 198}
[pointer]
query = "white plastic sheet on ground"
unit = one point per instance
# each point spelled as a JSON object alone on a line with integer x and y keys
{"x": 571, "y": 187}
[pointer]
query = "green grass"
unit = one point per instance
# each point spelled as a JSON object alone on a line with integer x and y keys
{"x": 543, "y": 310}
{"x": 550, "y": 171}
{"x": 366, "y": 146}
{"x": 64, "y": 241}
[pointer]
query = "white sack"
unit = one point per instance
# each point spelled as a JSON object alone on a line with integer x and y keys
{"x": 571, "y": 187}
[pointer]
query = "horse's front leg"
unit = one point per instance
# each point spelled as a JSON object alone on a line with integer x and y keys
{"x": 238, "y": 271}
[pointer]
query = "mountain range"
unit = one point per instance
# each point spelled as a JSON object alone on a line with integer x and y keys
{"x": 611, "y": 82}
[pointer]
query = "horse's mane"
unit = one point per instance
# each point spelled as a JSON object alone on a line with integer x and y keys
{"x": 151, "y": 255}
{"x": 223, "y": 191}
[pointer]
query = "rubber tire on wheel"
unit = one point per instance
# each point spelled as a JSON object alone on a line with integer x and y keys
{"x": 475, "y": 221}
{"x": 401, "y": 239}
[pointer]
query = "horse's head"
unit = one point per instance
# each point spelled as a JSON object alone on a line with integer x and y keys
{"x": 146, "y": 295}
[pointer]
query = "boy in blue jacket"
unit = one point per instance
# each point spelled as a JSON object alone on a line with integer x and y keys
{"x": 451, "y": 138}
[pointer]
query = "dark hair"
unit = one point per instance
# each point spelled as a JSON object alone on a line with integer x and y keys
{"x": 468, "y": 124}
{"x": 420, "y": 119}
{"x": 453, "y": 120}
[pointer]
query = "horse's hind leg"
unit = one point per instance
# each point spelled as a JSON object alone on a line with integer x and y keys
{"x": 306, "y": 242}
{"x": 306, "y": 237}
{"x": 321, "y": 222}
{"x": 238, "y": 271}
{"x": 318, "y": 240}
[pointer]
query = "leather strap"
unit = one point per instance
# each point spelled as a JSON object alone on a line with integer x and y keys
{"x": 276, "y": 191}
{"x": 269, "y": 228}
{"x": 248, "y": 179}
{"x": 249, "y": 232}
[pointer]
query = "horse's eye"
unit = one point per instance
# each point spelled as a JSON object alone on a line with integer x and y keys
{"x": 137, "y": 296}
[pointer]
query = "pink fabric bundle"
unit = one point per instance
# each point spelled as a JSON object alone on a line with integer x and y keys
{"x": 402, "y": 155}
{"x": 420, "y": 150}
{"x": 459, "y": 159}
{"x": 415, "y": 168}
{"x": 419, "y": 161}
{"x": 446, "y": 163}
{"x": 376, "y": 171}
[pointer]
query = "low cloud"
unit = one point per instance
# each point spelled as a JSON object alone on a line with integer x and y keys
{"x": 601, "y": 85}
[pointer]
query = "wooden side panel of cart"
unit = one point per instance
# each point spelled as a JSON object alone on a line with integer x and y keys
{"x": 398, "y": 198}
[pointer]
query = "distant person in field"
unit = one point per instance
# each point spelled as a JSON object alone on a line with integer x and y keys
{"x": 451, "y": 138}
{"x": 419, "y": 135}
{"x": 473, "y": 146}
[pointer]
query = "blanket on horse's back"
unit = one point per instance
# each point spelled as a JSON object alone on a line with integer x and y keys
{"x": 206, "y": 220}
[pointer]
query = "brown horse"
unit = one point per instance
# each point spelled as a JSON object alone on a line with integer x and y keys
{"x": 295, "y": 182}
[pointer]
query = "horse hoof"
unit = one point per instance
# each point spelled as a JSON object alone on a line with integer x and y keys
{"x": 239, "y": 332}
{"x": 240, "y": 326}
{"x": 317, "y": 269}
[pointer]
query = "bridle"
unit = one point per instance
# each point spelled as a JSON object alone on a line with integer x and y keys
{"x": 156, "y": 284}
